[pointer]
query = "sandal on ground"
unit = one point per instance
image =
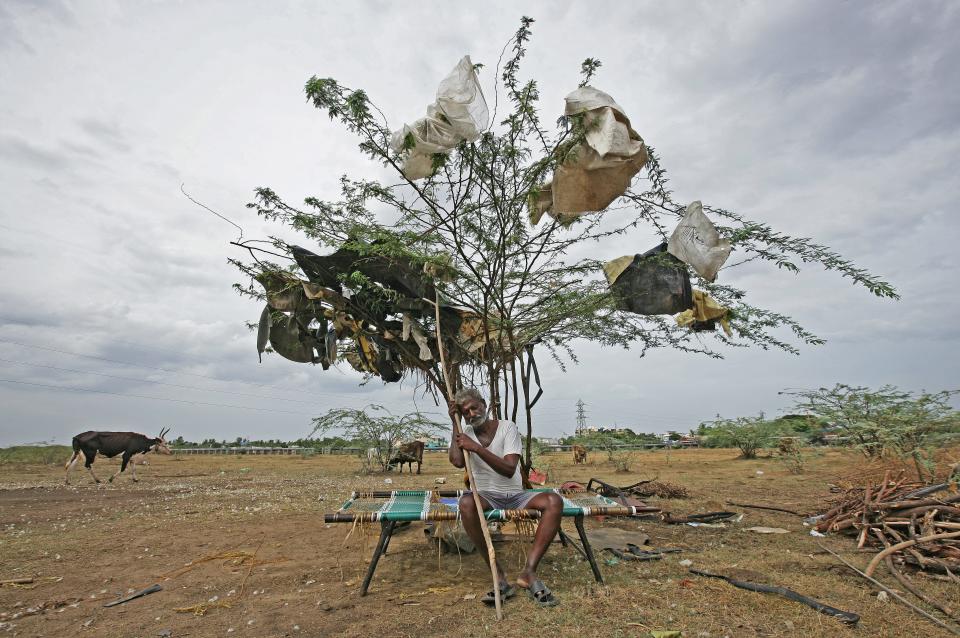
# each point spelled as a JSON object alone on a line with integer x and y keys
{"x": 541, "y": 594}
{"x": 507, "y": 591}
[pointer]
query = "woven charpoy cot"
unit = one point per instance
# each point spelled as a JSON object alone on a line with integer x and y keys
{"x": 390, "y": 508}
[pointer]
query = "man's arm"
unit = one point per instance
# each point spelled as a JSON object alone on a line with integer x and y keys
{"x": 503, "y": 465}
{"x": 455, "y": 454}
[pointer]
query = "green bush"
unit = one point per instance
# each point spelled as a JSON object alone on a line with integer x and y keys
{"x": 749, "y": 434}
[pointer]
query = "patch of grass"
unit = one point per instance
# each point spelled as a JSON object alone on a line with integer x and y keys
{"x": 36, "y": 454}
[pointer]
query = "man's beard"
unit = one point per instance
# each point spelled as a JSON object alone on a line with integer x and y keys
{"x": 478, "y": 420}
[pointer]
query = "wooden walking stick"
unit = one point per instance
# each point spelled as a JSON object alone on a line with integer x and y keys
{"x": 491, "y": 555}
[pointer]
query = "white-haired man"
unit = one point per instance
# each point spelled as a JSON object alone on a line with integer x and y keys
{"x": 496, "y": 447}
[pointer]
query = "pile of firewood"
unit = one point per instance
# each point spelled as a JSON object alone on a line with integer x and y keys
{"x": 660, "y": 489}
{"x": 915, "y": 523}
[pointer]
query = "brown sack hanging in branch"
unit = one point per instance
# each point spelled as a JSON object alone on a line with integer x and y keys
{"x": 598, "y": 170}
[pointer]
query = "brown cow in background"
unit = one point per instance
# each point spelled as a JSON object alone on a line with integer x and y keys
{"x": 408, "y": 453}
{"x": 579, "y": 454}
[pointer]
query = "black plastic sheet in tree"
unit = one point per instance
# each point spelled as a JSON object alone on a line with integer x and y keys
{"x": 655, "y": 283}
{"x": 396, "y": 274}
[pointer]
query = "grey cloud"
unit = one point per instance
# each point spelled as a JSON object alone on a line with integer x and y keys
{"x": 19, "y": 150}
{"x": 10, "y": 35}
{"x": 106, "y": 133}
{"x": 82, "y": 149}
{"x": 17, "y": 13}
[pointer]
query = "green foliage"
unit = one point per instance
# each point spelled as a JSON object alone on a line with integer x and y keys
{"x": 37, "y": 454}
{"x": 376, "y": 427}
{"x": 887, "y": 421}
{"x": 749, "y": 434}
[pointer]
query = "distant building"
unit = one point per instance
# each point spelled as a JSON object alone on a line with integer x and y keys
{"x": 434, "y": 443}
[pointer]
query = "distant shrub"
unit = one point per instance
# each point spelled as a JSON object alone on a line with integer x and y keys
{"x": 36, "y": 454}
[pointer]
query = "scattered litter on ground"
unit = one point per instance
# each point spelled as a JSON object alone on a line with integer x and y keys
{"x": 143, "y": 592}
{"x": 767, "y": 530}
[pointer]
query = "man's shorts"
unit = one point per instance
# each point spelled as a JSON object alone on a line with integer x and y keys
{"x": 511, "y": 501}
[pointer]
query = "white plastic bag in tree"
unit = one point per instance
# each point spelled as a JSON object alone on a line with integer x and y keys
{"x": 697, "y": 242}
{"x": 460, "y": 113}
{"x": 600, "y": 169}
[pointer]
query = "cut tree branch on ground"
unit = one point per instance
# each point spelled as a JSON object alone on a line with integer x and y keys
{"x": 909, "y": 586}
{"x": 910, "y": 543}
{"x": 931, "y": 618}
{"x": 765, "y": 507}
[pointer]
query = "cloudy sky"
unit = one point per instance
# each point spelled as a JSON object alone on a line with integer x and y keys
{"x": 835, "y": 120}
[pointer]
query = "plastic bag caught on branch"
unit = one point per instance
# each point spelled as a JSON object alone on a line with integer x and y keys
{"x": 704, "y": 314}
{"x": 654, "y": 283}
{"x": 598, "y": 170}
{"x": 460, "y": 113}
{"x": 697, "y": 242}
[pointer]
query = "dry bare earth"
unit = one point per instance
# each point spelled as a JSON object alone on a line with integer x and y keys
{"x": 303, "y": 580}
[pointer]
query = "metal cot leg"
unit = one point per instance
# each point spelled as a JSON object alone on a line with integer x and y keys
{"x": 586, "y": 548}
{"x": 385, "y": 532}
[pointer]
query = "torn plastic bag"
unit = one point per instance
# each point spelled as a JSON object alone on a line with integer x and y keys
{"x": 363, "y": 355}
{"x": 291, "y": 340}
{"x": 471, "y": 335}
{"x": 392, "y": 273}
{"x": 412, "y": 329}
{"x": 314, "y": 291}
{"x": 330, "y": 345}
{"x": 284, "y": 290}
{"x": 654, "y": 283}
{"x": 387, "y": 363}
{"x": 459, "y": 113}
{"x": 696, "y": 241}
{"x": 704, "y": 314}
{"x": 263, "y": 332}
{"x": 597, "y": 171}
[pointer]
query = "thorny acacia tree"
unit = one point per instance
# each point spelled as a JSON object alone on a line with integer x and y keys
{"x": 375, "y": 427}
{"x": 469, "y": 219}
{"x": 887, "y": 421}
{"x": 749, "y": 434}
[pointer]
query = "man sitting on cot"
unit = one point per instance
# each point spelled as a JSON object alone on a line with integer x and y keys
{"x": 496, "y": 447}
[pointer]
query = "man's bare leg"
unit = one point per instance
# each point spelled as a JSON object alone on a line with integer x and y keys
{"x": 551, "y": 511}
{"x": 471, "y": 523}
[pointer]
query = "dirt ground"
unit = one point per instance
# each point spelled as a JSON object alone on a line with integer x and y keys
{"x": 240, "y": 548}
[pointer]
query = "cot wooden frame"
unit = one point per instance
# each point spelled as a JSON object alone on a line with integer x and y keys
{"x": 388, "y": 518}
